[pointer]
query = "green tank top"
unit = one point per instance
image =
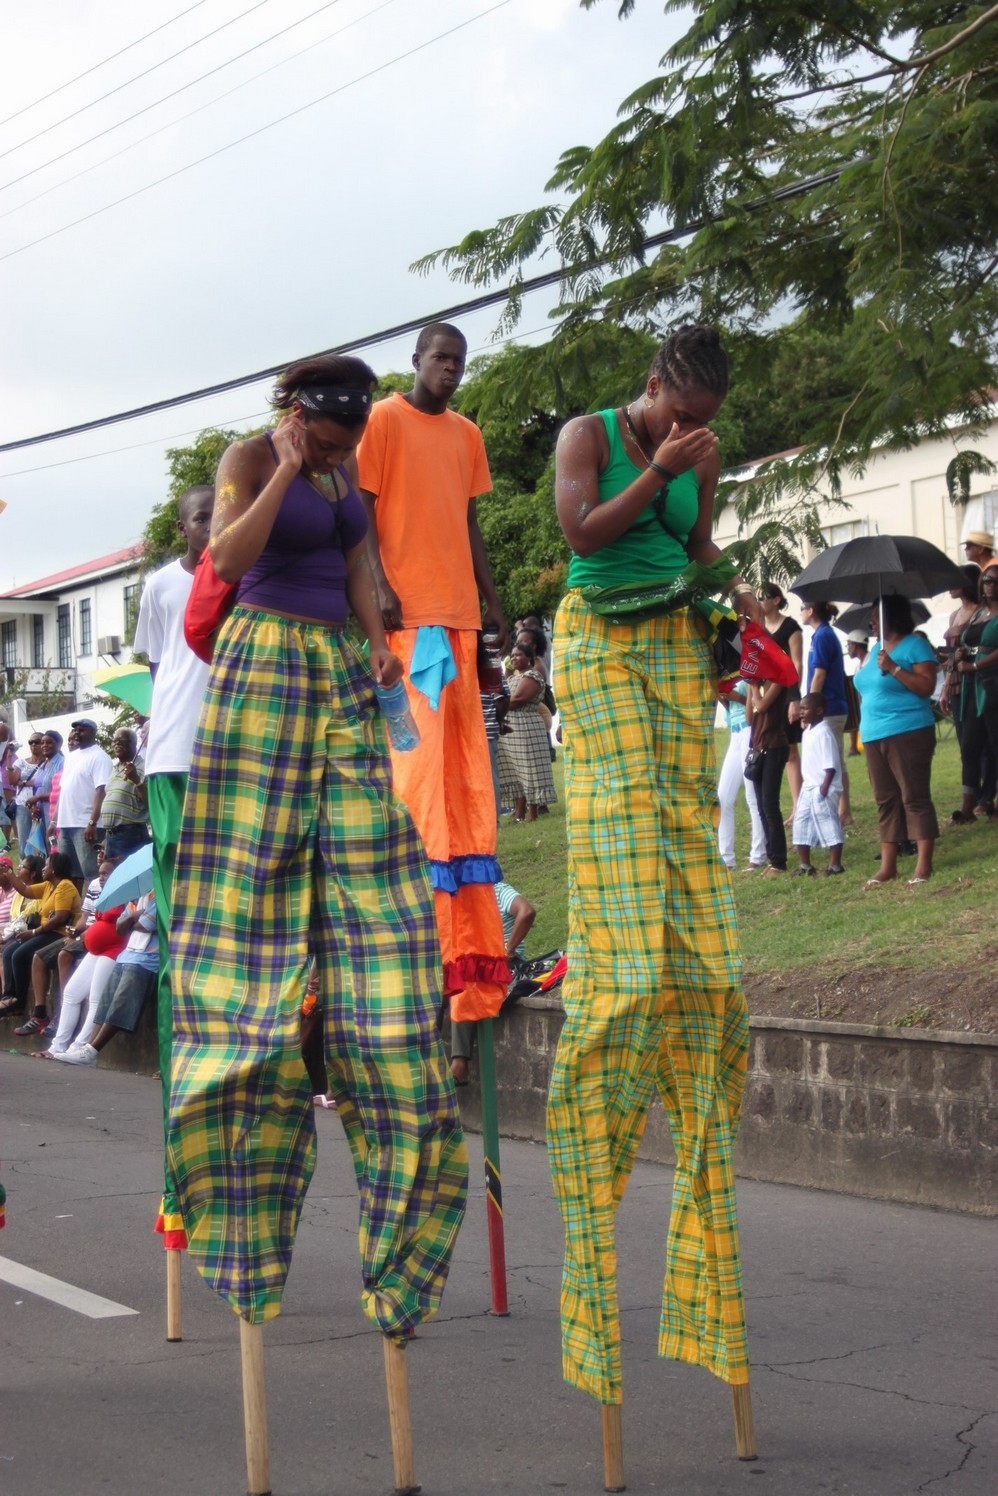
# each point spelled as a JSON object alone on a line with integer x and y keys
{"x": 649, "y": 551}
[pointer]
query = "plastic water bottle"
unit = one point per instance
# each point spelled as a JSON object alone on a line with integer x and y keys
{"x": 403, "y": 734}
{"x": 490, "y": 666}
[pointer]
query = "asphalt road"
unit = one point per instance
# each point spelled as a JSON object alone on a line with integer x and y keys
{"x": 872, "y": 1333}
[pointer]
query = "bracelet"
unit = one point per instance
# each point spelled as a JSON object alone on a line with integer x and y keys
{"x": 742, "y": 587}
{"x": 663, "y": 472}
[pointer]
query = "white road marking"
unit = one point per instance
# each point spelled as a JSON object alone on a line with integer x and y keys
{"x": 57, "y": 1292}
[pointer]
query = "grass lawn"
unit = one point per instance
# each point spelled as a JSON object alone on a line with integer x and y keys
{"x": 824, "y": 926}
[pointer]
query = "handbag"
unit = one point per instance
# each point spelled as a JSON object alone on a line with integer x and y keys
{"x": 755, "y": 761}
{"x": 210, "y": 602}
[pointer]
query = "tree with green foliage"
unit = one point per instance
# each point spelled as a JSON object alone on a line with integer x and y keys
{"x": 186, "y": 466}
{"x": 830, "y": 165}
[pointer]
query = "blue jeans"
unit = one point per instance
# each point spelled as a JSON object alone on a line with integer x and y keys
{"x": 124, "y": 838}
{"x": 81, "y": 853}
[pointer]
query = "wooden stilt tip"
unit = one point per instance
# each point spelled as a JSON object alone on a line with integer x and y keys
{"x": 741, "y": 1403}
{"x": 613, "y": 1447}
{"x": 254, "y": 1410}
{"x": 174, "y": 1328}
{"x": 399, "y": 1419}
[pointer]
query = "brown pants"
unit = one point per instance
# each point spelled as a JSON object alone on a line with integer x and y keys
{"x": 900, "y": 770}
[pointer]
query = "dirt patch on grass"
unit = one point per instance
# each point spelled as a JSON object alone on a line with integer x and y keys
{"x": 957, "y": 998}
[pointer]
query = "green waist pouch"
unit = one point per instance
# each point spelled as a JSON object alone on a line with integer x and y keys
{"x": 630, "y": 603}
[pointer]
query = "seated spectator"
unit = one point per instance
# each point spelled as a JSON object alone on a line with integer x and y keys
{"x": 30, "y": 869}
{"x": 124, "y": 814}
{"x": 131, "y": 984}
{"x": 59, "y": 905}
{"x": 62, "y": 954}
{"x": 518, "y": 914}
{"x": 102, "y": 943}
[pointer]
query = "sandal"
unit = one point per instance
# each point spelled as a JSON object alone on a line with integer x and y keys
{"x": 876, "y": 883}
{"x": 914, "y": 882}
{"x": 833, "y": 872}
{"x": 805, "y": 870}
{"x": 8, "y": 1006}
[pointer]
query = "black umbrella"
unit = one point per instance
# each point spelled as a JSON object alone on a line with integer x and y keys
{"x": 859, "y": 617}
{"x": 874, "y": 565}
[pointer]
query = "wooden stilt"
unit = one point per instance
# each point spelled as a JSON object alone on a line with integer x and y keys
{"x": 400, "y": 1422}
{"x": 613, "y": 1447}
{"x": 254, "y": 1409}
{"x": 493, "y": 1168}
{"x": 741, "y": 1401}
{"x": 174, "y": 1330}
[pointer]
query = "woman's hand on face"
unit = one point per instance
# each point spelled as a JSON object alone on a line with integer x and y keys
{"x": 680, "y": 453}
{"x": 387, "y": 667}
{"x": 288, "y": 438}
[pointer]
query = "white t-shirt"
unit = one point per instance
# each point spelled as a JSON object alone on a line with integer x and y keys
{"x": 84, "y": 772}
{"x": 181, "y": 677}
{"x": 819, "y": 752}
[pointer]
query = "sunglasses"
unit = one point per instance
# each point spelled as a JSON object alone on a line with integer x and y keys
{"x": 34, "y": 742}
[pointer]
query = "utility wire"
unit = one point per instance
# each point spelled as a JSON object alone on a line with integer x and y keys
{"x": 103, "y": 63}
{"x": 229, "y": 421}
{"x": 128, "y": 81}
{"x": 446, "y": 314}
{"x": 367, "y": 15}
{"x": 54, "y": 233}
{"x": 220, "y": 67}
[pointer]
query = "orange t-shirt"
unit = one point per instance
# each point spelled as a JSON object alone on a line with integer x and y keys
{"x": 423, "y": 471}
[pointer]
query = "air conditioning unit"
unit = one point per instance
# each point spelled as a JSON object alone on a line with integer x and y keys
{"x": 109, "y": 644}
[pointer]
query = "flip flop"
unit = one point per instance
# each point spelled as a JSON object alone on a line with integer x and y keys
{"x": 876, "y": 883}
{"x": 914, "y": 882}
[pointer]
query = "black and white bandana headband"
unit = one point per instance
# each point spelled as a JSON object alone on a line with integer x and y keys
{"x": 335, "y": 399}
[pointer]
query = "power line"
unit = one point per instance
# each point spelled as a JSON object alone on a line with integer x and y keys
{"x": 368, "y": 14}
{"x": 446, "y": 314}
{"x": 255, "y": 415}
{"x": 103, "y": 63}
{"x": 144, "y": 74}
{"x": 54, "y": 233}
{"x": 220, "y": 67}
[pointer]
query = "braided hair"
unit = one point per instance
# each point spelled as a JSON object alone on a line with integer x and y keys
{"x": 693, "y": 358}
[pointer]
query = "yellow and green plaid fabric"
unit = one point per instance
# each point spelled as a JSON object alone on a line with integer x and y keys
{"x": 653, "y": 992}
{"x": 294, "y": 845}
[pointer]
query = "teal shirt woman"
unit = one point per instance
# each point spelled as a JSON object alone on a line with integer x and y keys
{"x": 653, "y": 992}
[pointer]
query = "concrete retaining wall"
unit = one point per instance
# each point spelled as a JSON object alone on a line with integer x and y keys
{"x": 909, "y": 1116}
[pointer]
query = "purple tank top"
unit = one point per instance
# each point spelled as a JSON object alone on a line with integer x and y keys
{"x": 302, "y": 568}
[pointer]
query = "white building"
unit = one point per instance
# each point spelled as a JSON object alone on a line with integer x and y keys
{"x": 55, "y": 632}
{"x": 904, "y": 493}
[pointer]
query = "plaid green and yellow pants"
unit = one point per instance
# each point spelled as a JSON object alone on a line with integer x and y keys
{"x": 653, "y": 993}
{"x": 295, "y": 846}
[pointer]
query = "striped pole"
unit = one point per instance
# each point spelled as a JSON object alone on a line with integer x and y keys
{"x": 493, "y": 1167}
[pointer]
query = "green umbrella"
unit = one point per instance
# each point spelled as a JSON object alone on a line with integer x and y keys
{"x": 129, "y": 683}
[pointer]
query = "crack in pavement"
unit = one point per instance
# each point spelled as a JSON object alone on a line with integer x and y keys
{"x": 925, "y": 1402}
{"x": 968, "y": 1451}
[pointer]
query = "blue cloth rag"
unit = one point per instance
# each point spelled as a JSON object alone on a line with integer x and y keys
{"x": 432, "y": 664}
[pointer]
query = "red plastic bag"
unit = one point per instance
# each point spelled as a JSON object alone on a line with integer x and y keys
{"x": 209, "y": 605}
{"x": 762, "y": 659}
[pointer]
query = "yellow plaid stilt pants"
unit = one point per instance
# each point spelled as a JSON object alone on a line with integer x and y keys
{"x": 653, "y": 993}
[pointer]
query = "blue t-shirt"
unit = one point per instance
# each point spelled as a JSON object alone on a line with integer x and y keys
{"x": 826, "y": 654}
{"x": 886, "y": 706}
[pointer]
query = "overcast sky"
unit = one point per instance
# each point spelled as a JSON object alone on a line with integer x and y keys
{"x": 295, "y": 240}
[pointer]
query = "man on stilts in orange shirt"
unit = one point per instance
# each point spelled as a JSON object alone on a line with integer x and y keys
{"x": 422, "y": 467}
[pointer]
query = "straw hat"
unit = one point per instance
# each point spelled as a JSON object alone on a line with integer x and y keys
{"x": 979, "y": 537}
